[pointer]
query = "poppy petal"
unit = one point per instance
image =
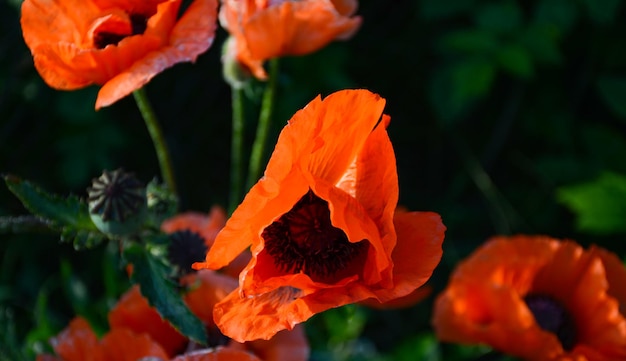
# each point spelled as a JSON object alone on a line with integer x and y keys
{"x": 124, "y": 345}
{"x": 51, "y": 61}
{"x": 295, "y": 28}
{"x": 133, "y": 312}
{"x": 345, "y": 7}
{"x": 78, "y": 342}
{"x": 206, "y": 288}
{"x": 191, "y": 36}
{"x": 421, "y": 232}
{"x": 53, "y": 21}
{"x": 285, "y": 345}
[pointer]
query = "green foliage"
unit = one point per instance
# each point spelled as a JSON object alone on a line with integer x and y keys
{"x": 613, "y": 92}
{"x": 152, "y": 275}
{"x": 600, "y": 205}
{"x": 602, "y": 11}
{"x": 69, "y": 216}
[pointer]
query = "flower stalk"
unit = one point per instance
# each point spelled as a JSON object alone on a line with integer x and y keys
{"x": 236, "y": 149}
{"x": 156, "y": 133}
{"x": 265, "y": 116}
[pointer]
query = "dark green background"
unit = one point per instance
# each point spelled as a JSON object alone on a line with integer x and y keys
{"x": 500, "y": 111}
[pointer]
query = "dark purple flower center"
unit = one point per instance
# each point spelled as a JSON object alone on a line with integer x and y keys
{"x": 304, "y": 240}
{"x": 186, "y": 248}
{"x": 138, "y": 24}
{"x": 553, "y": 317}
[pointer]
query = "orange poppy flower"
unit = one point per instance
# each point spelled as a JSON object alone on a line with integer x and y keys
{"x": 207, "y": 288}
{"x": 207, "y": 227}
{"x": 265, "y": 29}
{"x": 320, "y": 224}
{"x": 78, "y": 342}
{"x": 133, "y": 312}
{"x": 537, "y": 298}
{"x": 118, "y": 44}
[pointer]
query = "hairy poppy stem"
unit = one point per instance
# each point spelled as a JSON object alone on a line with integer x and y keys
{"x": 236, "y": 149}
{"x": 160, "y": 146}
{"x": 267, "y": 108}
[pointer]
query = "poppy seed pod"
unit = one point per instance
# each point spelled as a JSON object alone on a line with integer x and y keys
{"x": 117, "y": 202}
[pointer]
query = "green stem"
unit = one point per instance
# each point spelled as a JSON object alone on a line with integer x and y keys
{"x": 160, "y": 146}
{"x": 267, "y": 107}
{"x": 236, "y": 149}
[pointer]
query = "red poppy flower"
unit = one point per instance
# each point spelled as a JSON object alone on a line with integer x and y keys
{"x": 320, "y": 224}
{"x": 78, "y": 342}
{"x": 265, "y": 29}
{"x": 537, "y": 298}
{"x": 133, "y": 312}
{"x": 207, "y": 288}
{"x": 118, "y": 44}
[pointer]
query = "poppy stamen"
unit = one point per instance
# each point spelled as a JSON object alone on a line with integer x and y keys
{"x": 138, "y": 24}
{"x": 551, "y": 316}
{"x": 304, "y": 240}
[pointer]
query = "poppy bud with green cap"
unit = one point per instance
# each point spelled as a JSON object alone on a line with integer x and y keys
{"x": 117, "y": 202}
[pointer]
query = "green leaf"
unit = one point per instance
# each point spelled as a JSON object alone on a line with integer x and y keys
{"x": 516, "y": 60}
{"x": 542, "y": 43}
{"x": 152, "y": 276}
{"x": 475, "y": 41}
{"x": 344, "y": 323}
{"x": 600, "y": 205}
{"x": 472, "y": 79}
{"x": 561, "y": 14}
{"x": 70, "y": 215}
{"x": 499, "y": 17}
{"x": 602, "y": 11}
{"x": 21, "y": 224}
{"x": 613, "y": 92}
{"x": 419, "y": 347}
{"x": 455, "y": 88}
{"x": 70, "y": 211}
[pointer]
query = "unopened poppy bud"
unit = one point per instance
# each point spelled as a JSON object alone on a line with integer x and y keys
{"x": 117, "y": 202}
{"x": 235, "y": 74}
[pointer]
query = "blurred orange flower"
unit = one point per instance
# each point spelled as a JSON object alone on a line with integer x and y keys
{"x": 133, "y": 312}
{"x": 321, "y": 223}
{"x": 537, "y": 298}
{"x": 265, "y": 29}
{"x": 78, "y": 342}
{"x": 207, "y": 227}
{"x": 118, "y": 44}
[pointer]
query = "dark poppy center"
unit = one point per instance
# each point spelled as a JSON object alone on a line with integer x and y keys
{"x": 138, "y": 24}
{"x": 186, "y": 248}
{"x": 304, "y": 240}
{"x": 553, "y": 317}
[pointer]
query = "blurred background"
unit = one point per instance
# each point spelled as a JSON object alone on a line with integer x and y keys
{"x": 507, "y": 117}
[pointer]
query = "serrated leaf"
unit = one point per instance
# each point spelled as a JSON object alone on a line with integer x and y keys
{"x": 613, "y": 91}
{"x": 70, "y": 211}
{"x": 152, "y": 276}
{"x": 600, "y": 205}
{"x": 81, "y": 239}
{"x": 21, "y": 224}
